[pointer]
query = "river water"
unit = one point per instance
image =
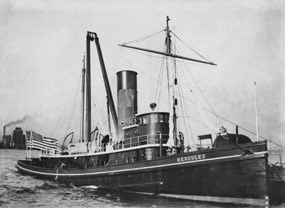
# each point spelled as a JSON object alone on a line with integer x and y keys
{"x": 25, "y": 191}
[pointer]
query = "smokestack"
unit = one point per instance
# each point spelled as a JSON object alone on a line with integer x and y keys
{"x": 126, "y": 98}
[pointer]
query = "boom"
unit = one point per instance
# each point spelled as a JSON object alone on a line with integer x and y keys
{"x": 167, "y": 54}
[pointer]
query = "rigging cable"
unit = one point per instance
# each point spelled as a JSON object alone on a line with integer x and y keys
{"x": 190, "y": 47}
{"x": 247, "y": 130}
{"x": 61, "y": 121}
{"x": 73, "y": 108}
{"x": 139, "y": 69}
{"x": 143, "y": 38}
{"x": 202, "y": 93}
{"x": 168, "y": 79}
{"x": 218, "y": 116}
{"x": 212, "y": 111}
{"x": 184, "y": 109}
{"x": 159, "y": 83}
{"x": 251, "y": 131}
{"x": 101, "y": 117}
{"x": 184, "y": 100}
{"x": 249, "y": 110}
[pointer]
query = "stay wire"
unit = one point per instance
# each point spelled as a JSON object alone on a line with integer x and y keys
{"x": 180, "y": 93}
{"x": 202, "y": 93}
{"x": 218, "y": 116}
{"x": 73, "y": 109}
{"x": 235, "y": 124}
{"x": 159, "y": 83}
{"x": 184, "y": 111}
{"x": 144, "y": 38}
{"x": 251, "y": 132}
{"x": 61, "y": 121}
{"x": 191, "y": 48}
{"x": 249, "y": 110}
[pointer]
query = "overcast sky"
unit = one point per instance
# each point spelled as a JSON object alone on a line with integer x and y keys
{"x": 42, "y": 45}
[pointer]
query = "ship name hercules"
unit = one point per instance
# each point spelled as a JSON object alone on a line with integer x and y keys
{"x": 191, "y": 158}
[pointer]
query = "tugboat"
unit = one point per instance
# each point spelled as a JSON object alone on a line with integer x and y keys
{"x": 139, "y": 157}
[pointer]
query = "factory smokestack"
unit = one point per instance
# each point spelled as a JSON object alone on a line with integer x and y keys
{"x": 4, "y": 131}
{"x": 126, "y": 98}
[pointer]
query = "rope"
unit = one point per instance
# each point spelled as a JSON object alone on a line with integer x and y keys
{"x": 159, "y": 83}
{"x": 247, "y": 130}
{"x": 218, "y": 116}
{"x": 62, "y": 118}
{"x": 212, "y": 110}
{"x": 249, "y": 110}
{"x": 73, "y": 108}
{"x": 251, "y": 132}
{"x": 141, "y": 39}
{"x": 62, "y": 165}
{"x": 191, "y": 48}
{"x": 184, "y": 108}
{"x": 182, "y": 103}
{"x": 99, "y": 109}
{"x": 202, "y": 93}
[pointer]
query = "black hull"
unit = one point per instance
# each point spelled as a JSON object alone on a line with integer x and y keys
{"x": 219, "y": 176}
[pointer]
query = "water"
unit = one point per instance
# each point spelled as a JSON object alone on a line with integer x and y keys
{"x": 25, "y": 191}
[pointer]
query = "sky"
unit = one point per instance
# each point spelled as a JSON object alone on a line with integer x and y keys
{"x": 43, "y": 42}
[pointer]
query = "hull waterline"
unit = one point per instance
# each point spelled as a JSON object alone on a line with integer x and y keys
{"x": 224, "y": 176}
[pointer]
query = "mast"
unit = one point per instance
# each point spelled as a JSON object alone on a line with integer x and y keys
{"x": 174, "y": 101}
{"x": 168, "y": 37}
{"x": 83, "y": 97}
{"x": 89, "y": 37}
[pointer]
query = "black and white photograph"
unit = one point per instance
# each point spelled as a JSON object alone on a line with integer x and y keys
{"x": 142, "y": 103}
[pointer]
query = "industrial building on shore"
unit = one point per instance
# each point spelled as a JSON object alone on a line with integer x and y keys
{"x": 15, "y": 141}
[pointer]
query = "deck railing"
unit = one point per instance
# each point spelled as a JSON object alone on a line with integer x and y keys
{"x": 142, "y": 140}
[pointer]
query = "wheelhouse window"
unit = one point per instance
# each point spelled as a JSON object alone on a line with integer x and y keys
{"x": 153, "y": 118}
{"x": 146, "y": 119}
{"x": 163, "y": 118}
{"x": 166, "y": 118}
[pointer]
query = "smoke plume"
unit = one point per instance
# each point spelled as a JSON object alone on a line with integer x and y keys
{"x": 24, "y": 119}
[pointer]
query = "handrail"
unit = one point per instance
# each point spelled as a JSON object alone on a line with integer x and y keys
{"x": 141, "y": 140}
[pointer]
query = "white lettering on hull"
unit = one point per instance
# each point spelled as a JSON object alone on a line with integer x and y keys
{"x": 191, "y": 158}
